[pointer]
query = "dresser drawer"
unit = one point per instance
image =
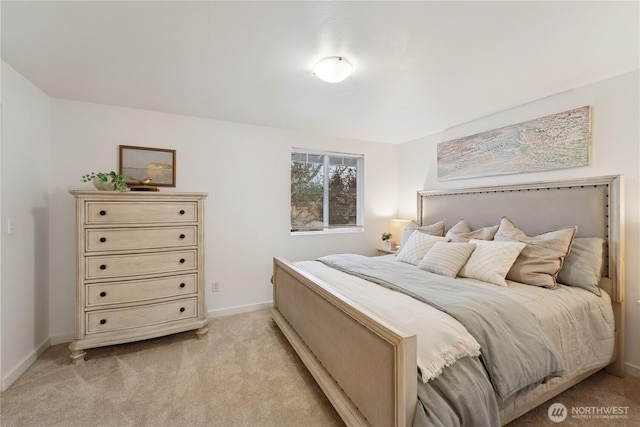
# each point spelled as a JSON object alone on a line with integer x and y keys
{"x": 115, "y": 239}
{"x": 139, "y": 212}
{"x": 99, "y": 294}
{"x": 105, "y": 266}
{"x": 136, "y": 317}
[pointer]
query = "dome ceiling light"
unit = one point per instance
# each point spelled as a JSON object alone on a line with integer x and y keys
{"x": 333, "y": 69}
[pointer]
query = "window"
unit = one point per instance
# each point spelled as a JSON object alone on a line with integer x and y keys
{"x": 326, "y": 191}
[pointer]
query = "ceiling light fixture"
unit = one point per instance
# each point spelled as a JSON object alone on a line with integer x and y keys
{"x": 333, "y": 69}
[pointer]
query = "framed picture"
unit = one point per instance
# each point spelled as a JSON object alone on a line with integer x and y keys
{"x": 148, "y": 166}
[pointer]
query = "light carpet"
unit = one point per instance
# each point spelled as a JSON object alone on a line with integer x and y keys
{"x": 243, "y": 373}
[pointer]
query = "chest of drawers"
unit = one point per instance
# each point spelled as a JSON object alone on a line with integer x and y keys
{"x": 140, "y": 267}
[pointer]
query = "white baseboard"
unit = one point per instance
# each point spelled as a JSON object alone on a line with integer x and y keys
{"x": 632, "y": 370}
{"x": 239, "y": 309}
{"x": 61, "y": 339}
{"x": 22, "y": 367}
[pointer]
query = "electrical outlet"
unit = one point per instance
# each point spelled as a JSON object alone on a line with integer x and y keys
{"x": 11, "y": 227}
{"x": 216, "y": 287}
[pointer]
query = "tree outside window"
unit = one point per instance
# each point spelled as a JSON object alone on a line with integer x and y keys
{"x": 325, "y": 191}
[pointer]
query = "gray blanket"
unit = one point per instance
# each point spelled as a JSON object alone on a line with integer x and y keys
{"x": 514, "y": 349}
{"x": 461, "y": 396}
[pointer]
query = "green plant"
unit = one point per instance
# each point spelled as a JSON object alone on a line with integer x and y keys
{"x": 118, "y": 180}
{"x": 386, "y": 236}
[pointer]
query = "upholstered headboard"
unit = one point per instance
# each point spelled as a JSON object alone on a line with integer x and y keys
{"x": 595, "y": 205}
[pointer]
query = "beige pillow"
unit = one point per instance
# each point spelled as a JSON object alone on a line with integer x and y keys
{"x": 490, "y": 261}
{"x": 436, "y": 229}
{"x": 541, "y": 259}
{"x": 462, "y": 232}
{"x": 583, "y": 266}
{"x": 446, "y": 259}
{"x": 417, "y": 246}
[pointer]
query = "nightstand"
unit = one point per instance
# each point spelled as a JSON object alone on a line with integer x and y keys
{"x": 383, "y": 250}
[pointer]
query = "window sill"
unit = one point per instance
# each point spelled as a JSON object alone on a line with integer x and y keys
{"x": 329, "y": 231}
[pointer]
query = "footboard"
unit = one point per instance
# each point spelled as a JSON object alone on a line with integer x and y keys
{"x": 367, "y": 370}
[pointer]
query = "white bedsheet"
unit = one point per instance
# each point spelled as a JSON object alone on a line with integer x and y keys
{"x": 579, "y": 323}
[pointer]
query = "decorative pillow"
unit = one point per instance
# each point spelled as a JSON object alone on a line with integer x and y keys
{"x": 446, "y": 259}
{"x": 462, "y": 232}
{"x": 539, "y": 262}
{"x": 436, "y": 229}
{"x": 490, "y": 261}
{"x": 583, "y": 266}
{"x": 417, "y": 246}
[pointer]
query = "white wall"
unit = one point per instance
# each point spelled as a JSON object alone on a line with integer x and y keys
{"x": 615, "y": 150}
{"x": 25, "y": 184}
{"x": 245, "y": 170}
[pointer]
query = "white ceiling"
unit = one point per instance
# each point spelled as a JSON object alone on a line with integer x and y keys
{"x": 420, "y": 67}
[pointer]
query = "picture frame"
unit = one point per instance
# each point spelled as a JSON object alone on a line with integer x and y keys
{"x": 155, "y": 167}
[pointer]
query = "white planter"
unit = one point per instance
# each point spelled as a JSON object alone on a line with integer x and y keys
{"x": 102, "y": 186}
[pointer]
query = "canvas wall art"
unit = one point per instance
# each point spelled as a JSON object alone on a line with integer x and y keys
{"x": 558, "y": 141}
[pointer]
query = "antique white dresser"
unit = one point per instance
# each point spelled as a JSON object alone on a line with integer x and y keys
{"x": 140, "y": 267}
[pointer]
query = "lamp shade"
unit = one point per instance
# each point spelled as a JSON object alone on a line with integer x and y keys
{"x": 333, "y": 69}
{"x": 397, "y": 229}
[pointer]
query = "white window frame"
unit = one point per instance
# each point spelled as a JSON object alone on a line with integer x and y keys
{"x": 327, "y": 229}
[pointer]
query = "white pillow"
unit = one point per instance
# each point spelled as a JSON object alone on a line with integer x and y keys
{"x": 462, "y": 232}
{"x": 417, "y": 246}
{"x": 490, "y": 261}
{"x": 446, "y": 259}
{"x": 436, "y": 229}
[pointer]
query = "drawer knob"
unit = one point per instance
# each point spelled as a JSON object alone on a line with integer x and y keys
{"x": 182, "y": 309}
{"x": 103, "y": 213}
{"x": 182, "y": 285}
{"x": 181, "y": 211}
{"x": 103, "y": 267}
{"x": 103, "y": 239}
{"x": 103, "y": 321}
{"x": 182, "y": 236}
{"x": 182, "y": 260}
{"x": 103, "y": 294}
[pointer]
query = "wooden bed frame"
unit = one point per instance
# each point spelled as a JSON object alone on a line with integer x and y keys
{"x": 368, "y": 370}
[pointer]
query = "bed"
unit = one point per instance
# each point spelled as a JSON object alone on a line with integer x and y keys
{"x": 369, "y": 359}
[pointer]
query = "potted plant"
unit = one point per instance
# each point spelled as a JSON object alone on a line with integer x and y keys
{"x": 110, "y": 181}
{"x": 386, "y": 239}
